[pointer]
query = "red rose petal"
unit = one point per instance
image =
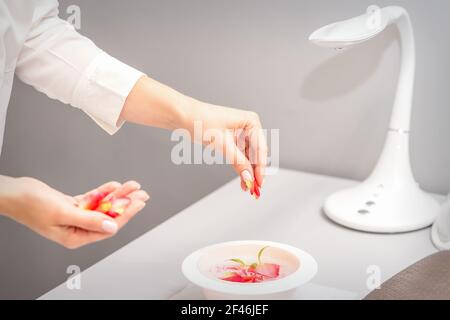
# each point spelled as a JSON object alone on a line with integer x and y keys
{"x": 118, "y": 206}
{"x": 104, "y": 206}
{"x": 253, "y": 273}
{"x": 270, "y": 270}
{"x": 234, "y": 278}
{"x": 110, "y": 206}
{"x": 92, "y": 200}
{"x": 111, "y": 214}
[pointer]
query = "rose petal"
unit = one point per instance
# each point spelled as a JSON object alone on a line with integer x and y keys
{"x": 270, "y": 270}
{"x": 119, "y": 205}
{"x": 92, "y": 200}
{"x": 234, "y": 278}
{"x": 104, "y": 206}
{"x": 112, "y": 214}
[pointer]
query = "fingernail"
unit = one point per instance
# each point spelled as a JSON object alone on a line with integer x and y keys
{"x": 248, "y": 179}
{"x": 109, "y": 226}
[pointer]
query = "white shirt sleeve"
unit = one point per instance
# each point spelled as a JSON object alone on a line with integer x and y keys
{"x": 61, "y": 63}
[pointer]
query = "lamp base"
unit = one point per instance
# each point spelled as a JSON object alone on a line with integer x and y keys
{"x": 382, "y": 209}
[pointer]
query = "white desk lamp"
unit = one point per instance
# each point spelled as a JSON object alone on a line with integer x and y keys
{"x": 389, "y": 200}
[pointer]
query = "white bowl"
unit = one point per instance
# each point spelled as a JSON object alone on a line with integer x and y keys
{"x": 299, "y": 267}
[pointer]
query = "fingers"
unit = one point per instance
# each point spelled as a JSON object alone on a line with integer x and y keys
{"x": 243, "y": 186}
{"x": 258, "y": 152}
{"x": 138, "y": 195}
{"x": 240, "y": 162}
{"x": 130, "y": 190}
{"x": 114, "y": 189}
{"x": 77, "y": 227}
{"x": 133, "y": 208}
{"x": 125, "y": 189}
{"x": 107, "y": 188}
{"x": 85, "y": 227}
{"x": 80, "y": 227}
{"x": 138, "y": 201}
{"x": 249, "y": 153}
{"x": 88, "y": 220}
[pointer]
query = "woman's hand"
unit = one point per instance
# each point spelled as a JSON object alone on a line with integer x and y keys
{"x": 237, "y": 134}
{"x": 58, "y": 217}
{"x": 243, "y": 143}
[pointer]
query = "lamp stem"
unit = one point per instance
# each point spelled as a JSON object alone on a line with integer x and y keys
{"x": 390, "y": 200}
{"x": 401, "y": 113}
{"x": 394, "y": 164}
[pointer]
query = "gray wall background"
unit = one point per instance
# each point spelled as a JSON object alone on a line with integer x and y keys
{"x": 332, "y": 109}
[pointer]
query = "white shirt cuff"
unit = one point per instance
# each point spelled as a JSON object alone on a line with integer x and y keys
{"x": 102, "y": 90}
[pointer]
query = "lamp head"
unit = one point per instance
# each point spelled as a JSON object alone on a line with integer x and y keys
{"x": 349, "y": 32}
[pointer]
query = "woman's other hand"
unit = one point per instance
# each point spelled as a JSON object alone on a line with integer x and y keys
{"x": 59, "y": 217}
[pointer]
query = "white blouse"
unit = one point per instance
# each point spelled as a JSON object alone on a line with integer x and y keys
{"x": 47, "y": 53}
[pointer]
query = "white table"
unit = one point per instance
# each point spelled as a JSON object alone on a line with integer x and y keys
{"x": 289, "y": 211}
